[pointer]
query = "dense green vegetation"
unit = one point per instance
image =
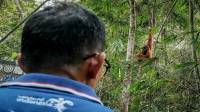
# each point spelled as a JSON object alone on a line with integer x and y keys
{"x": 10, "y": 17}
{"x": 168, "y": 83}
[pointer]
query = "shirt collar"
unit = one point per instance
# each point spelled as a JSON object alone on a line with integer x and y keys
{"x": 54, "y": 82}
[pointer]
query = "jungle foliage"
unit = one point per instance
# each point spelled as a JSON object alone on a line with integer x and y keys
{"x": 170, "y": 82}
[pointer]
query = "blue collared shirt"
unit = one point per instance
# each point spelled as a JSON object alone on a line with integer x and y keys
{"x": 36, "y": 92}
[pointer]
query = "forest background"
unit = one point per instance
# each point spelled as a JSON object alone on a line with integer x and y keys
{"x": 169, "y": 82}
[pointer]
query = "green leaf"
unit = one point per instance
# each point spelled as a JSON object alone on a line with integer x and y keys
{"x": 183, "y": 65}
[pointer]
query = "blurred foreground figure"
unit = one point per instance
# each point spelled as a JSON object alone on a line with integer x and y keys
{"x": 62, "y": 55}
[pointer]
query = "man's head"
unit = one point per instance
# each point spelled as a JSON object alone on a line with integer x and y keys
{"x": 61, "y": 37}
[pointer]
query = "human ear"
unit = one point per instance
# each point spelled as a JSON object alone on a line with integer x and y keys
{"x": 20, "y": 61}
{"x": 95, "y": 65}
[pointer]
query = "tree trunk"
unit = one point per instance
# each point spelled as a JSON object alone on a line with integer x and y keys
{"x": 19, "y": 8}
{"x": 164, "y": 47}
{"x": 129, "y": 58}
{"x": 195, "y": 3}
{"x": 194, "y": 44}
{"x": 152, "y": 15}
{"x": 131, "y": 37}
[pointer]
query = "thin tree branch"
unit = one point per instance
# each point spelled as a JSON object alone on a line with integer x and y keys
{"x": 163, "y": 23}
{"x": 19, "y": 8}
{"x": 24, "y": 20}
{"x": 166, "y": 17}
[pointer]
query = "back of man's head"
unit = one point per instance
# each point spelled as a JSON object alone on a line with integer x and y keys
{"x": 63, "y": 33}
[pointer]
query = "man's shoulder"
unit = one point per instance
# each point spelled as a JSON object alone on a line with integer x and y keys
{"x": 53, "y": 101}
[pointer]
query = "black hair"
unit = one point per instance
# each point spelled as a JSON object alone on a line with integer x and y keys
{"x": 63, "y": 33}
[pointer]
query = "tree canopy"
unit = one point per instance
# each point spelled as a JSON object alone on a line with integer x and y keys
{"x": 170, "y": 81}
